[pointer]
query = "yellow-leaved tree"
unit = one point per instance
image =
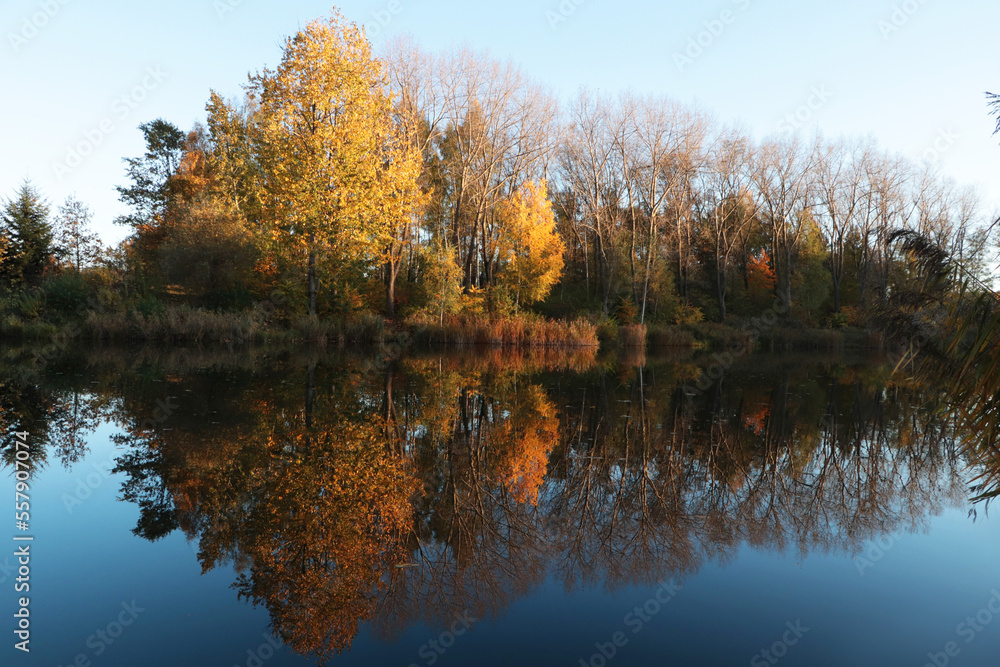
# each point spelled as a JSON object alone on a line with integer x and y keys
{"x": 530, "y": 248}
{"x": 338, "y": 176}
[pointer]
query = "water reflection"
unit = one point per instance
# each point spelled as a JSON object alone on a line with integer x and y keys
{"x": 369, "y": 490}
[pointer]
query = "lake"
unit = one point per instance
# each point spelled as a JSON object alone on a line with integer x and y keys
{"x": 249, "y": 508}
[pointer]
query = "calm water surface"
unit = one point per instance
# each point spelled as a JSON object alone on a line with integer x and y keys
{"x": 248, "y": 509}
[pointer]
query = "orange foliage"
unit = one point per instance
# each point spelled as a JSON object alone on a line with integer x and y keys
{"x": 529, "y": 436}
{"x": 762, "y": 277}
{"x": 757, "y": 421}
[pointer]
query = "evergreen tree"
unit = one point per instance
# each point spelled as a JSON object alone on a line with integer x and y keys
{"x": 26, "y": 227}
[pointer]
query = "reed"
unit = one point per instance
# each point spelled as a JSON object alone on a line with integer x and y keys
{"x": 515, "y": 331}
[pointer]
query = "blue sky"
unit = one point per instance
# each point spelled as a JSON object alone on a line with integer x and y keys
{"x": 84, "y": 74}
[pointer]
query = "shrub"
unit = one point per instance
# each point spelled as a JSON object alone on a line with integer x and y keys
{"x": 687, "y": 314}
{"x": 633, "y": 335}
{"x": 66, "y": 293}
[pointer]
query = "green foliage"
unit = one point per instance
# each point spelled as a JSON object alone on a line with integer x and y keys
{"x": 27, "y": 237}
{"x": 685, "y": 314}
{"x": 150, "y": 174}
{"x": 627, "y": 312}
{"x": 66, "y": 293}
{"x": 150, "y": 306}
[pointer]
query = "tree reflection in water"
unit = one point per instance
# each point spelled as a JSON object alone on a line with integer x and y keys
{"x": 444, "y": 484}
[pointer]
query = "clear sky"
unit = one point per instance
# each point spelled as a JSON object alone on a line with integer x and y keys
{"x": 81, "y": 75}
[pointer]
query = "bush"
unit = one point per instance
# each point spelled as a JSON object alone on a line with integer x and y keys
{"x": 150, "y": 306}
{"x": 687, "y": 314}
{"x": 66, "y": 293}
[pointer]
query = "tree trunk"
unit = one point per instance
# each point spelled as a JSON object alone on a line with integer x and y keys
{"x": 312, "y": 283}
{"x": 392, "y": 267}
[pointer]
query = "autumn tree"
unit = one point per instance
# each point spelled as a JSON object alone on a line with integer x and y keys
{"x": 337, "y": 177}
{"x": 530, "y": 256}
{"x": 208, "y": 251}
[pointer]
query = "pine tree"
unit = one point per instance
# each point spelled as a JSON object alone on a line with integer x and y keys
{"x": 25, "y": 224}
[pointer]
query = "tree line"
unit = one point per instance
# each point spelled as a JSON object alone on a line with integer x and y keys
{"x": 436, "y": 186}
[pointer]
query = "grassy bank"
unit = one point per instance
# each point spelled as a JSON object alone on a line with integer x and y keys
{"x": 183, "y": 325}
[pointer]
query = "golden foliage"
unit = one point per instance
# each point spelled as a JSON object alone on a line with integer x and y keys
{"x": 338, "y": 177}
{"x": 531, "y": 248}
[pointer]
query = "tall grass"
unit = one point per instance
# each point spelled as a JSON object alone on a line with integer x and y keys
{"x": 518, "y": 331}
{"x": 671, "y": 336}
{"x": 174, "y": 325}
{"x": 632, "y": 335}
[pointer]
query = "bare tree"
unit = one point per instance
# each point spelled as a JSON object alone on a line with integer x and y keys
{"x": 728, "y": 209}
{"x": 783, "y": 182}
{"x": 590, "y": 168}
{"x": 840, "y": 171}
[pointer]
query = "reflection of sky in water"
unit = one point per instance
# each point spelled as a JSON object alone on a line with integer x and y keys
{"x": 908, "y": 602}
